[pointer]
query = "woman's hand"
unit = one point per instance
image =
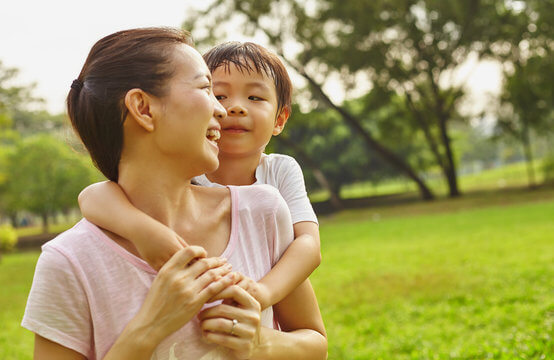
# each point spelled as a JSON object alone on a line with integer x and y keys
{"x": 258, "y": 290}
{"x": 183, "y": 285}
{"x": 235, "y": 324}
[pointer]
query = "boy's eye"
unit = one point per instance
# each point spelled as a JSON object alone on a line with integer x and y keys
{"x": 255, "y": 98}
{"x": 220, "y": 97}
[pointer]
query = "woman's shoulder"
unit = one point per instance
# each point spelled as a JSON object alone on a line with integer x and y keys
{"x": 81, "y": 242}
{"x": 259, "y": 195}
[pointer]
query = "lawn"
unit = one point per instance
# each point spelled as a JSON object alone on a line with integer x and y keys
{"x": 505, "y": 176}
{"x": 462, "y": 279}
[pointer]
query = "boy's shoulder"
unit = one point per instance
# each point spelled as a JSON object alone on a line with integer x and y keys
{"x": 274, "y": 160}
{"x": 274, "y": 168}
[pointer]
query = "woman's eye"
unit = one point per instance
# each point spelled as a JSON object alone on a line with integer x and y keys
{"x": 220, "y": 97}
{"x": 255, "y": 98}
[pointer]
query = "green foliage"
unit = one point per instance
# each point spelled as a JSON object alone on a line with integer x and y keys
{"x": 8, "y": 238}
{"x": 45, "y": 176}
{"x": 404, "y": 47}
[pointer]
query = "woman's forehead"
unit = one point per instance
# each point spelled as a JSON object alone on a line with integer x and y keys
{"x": 189, "y": 62}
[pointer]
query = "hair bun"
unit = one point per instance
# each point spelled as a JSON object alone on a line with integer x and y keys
{"x": 77, "y": 84}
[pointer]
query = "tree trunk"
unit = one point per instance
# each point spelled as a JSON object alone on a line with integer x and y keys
{"x": 13, "y": 219}
{"x": 44, "y": 217}
{"x": 526, "y": 140}
{"x": 449, "y": 169}
{"x": 370, "y": 142}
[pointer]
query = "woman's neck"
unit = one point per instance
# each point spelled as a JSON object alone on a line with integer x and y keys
{"x": 235, "y": 170}
{"x": 163, "y": 195}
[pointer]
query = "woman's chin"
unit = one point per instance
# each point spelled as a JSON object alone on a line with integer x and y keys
{"x": 212, "y": 165}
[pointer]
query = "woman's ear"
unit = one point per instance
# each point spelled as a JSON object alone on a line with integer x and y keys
{"x": 140, "y": 104}
{"x": 281, "y": 120}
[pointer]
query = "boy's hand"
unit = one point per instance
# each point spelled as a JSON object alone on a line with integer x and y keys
{"x": 159, "y": 249}
{"x": 258, "y": 290}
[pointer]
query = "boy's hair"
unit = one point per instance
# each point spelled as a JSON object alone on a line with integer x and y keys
{"x": 135, "y": 58}
{"x": 249, "y": 57}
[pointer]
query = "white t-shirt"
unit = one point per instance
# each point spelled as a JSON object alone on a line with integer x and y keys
{"x": 284, "y": 173}
{"x": 87, "y": 288}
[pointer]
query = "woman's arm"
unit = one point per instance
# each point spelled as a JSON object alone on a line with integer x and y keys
{"x": 106, "y": 205}
{"x": 183, "y": 285}
{"x": 303, "y": 336}
{"x": 49, "y": 350}
{"x": 300, "y": 259}
{"x": 303, "y": 333}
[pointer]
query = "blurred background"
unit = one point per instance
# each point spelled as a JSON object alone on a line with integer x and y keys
{"x": 425, "y": 130}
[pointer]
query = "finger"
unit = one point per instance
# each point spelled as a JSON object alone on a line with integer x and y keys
{"x": 181, "y": 241}
{"x": 244, "y": 283}
{"x": 226, "y": 340}
{"x": 225, "y": 326}
{"x": 205, "y": 264}
{"x": 183, "y": 257}
{"x": 222, "y": 311}
{"x": 240, "y": 296}
{"x": 212, "y": 275}
{"x": 216, "y": 287}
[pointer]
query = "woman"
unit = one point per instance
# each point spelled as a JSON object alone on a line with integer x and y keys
{"x": 144, "y": 108}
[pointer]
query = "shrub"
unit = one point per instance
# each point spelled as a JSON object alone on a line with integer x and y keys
{"x": 8, "y": 238}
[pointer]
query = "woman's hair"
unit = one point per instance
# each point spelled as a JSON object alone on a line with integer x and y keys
{"x": 125, "y": 60}
{"x": 249, "y": 57}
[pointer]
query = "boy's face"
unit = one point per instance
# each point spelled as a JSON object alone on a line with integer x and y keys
{"x": 251, "y": 103}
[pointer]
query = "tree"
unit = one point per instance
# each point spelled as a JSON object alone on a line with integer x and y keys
{"x": 409, "y": 47}
{"x": 526, "y": 105}
{"x": 45, "y": 177}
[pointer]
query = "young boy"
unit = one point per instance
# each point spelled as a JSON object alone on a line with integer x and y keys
{"x": 254, "y": 87}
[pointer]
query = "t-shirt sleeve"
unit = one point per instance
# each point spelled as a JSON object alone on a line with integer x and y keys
{"x": 57, "y": 307}
{"x": 293, "y": 189}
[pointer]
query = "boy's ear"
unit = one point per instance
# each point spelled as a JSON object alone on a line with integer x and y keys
{"x": 140, "y": 106}
{"x": 281, "y": 121}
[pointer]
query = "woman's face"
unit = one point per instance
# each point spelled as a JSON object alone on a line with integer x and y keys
{"x": 187, "y": 129}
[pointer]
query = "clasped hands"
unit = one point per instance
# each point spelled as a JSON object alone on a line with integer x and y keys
{"x": 188, "y": 281}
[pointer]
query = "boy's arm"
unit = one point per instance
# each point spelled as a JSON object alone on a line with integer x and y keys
{"x": 106, "y": 205}
{"x": 300, "y": 259}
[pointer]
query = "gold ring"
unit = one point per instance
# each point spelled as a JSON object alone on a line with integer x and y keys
{"x": 235, "y": 322}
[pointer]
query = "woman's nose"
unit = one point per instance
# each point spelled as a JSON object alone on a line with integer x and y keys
{"x": 219, "y": 111}
{"x": 237, "y": 110}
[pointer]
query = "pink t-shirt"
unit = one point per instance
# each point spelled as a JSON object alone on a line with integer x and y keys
{"x": 87, "y": 288}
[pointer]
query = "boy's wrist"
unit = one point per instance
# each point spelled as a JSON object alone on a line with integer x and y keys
{"x": 263, "y": 295}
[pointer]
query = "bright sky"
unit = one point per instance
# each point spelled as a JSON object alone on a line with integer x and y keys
{"x": 48, "y": 40}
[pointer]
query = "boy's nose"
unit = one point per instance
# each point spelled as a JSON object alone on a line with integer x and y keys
{"x": 237, "y": 110}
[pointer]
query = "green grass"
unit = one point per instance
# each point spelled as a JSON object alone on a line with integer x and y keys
{"x": 465, "y": 284}
{"x": 506, "y": 176}
{"x": 16, "y": 274}
{"x": 469, "y": 278}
